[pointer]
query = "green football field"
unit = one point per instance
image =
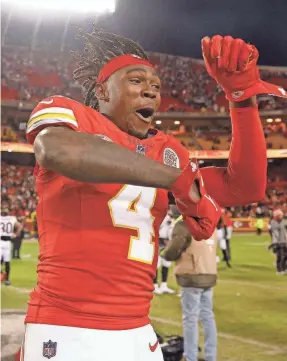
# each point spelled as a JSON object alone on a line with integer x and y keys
{"x": 250, "y": 301}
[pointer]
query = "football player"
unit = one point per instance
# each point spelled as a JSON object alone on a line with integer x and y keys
{"x": 103, "y": 177}
{"x": 165, "y": 232}
{"x": 228, "y": 229}
{"x": 10, "y": 229}
{"x": 221, "y": 239}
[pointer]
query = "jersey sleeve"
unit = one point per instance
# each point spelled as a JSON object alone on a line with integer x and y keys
{"x": 53, "y": 111}
{"x": 243, "y": 181}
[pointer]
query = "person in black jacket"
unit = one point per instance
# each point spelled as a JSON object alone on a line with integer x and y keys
{"x": 221, "y": 236}
{"x": 17, "y": 242}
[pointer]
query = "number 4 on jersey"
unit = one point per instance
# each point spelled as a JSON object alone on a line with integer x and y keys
{"x": 131, "y": 208}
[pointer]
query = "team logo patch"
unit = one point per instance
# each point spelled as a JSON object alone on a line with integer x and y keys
{"x": 170, "y": 158}
{"x": 49, "y": 349}
{"x": 237, "y": 95}
{"x": 104, "y": 137}
{"x": 237, "y": 224}
{"x": 141, "y": 149}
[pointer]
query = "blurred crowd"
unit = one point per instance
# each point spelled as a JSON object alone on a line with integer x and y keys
{"x": 273, "y": 200}
{"x": 31, "y": 76}
{"x": 218, "y": 137}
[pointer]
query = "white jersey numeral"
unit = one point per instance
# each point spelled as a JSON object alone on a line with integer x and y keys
{"x": 7, "y": 225}
{"x": 131, "y": 208}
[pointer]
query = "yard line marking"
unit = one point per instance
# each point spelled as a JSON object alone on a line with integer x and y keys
{"x": 13, "y": 311}
{"x": 20, "y": 289}
{"x": 261, "y": 244}
{"x": 272, "y": 349}
{"x": 264, "y": 287}
{"x": 249, "y": 234}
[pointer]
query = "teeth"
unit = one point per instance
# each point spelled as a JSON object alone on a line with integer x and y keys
{"x": 147, "y": 120}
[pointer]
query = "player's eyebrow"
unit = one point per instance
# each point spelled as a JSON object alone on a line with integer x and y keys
{"x": 140, "y": 69}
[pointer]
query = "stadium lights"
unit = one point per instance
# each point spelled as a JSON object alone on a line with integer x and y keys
{"x": 83, "y": 6}
{"x": 177, "y": 122}
{"x": 269, "y": 120}
{"x": 278, "y": 120}
{"x": 158, "y": 122}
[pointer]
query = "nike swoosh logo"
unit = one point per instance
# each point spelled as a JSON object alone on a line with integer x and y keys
{"x": 153, "y": 347}
{"x": 47, "y": 101}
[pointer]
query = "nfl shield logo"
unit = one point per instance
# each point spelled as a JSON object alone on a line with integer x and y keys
{"x": 141, "y": 149}
{"x": 49, "y": 349}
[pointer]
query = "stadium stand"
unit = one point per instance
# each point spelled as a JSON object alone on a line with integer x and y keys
{"x": 29, "y": 76}
{"x": 187, "y": 86}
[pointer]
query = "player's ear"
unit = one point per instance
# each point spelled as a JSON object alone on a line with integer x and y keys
{"x": 101, "y": 92}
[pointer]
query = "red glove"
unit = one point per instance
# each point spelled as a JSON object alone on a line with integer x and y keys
{"x": 201, "y": 217}
{"x": 232, "y": 63}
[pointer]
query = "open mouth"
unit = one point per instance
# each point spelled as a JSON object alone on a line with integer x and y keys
{"x": 145, "y": 114}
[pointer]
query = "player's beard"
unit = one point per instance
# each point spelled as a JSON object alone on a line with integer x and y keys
{"x": 131, "y": 131}
{"x": 136, "y": 134}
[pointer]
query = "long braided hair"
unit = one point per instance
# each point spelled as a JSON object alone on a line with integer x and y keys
{"x": 100, "y": 48}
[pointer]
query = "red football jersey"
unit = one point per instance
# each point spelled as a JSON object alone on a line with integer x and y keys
{"x": 98, "y": 242}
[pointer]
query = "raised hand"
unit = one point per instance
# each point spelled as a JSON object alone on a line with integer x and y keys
{"x": 233, "y": 64}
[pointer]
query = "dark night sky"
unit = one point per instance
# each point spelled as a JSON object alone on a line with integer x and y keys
{"x": 177, "y": 26}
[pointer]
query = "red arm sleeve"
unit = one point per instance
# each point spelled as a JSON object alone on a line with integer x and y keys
{"x": 244, "y": 180}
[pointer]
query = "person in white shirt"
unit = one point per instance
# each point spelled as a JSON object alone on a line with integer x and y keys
{"x": 10, "y": 228}
{"x": 165, "y": 233}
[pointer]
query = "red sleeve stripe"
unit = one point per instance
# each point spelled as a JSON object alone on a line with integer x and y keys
{"x": 53, "y": 114}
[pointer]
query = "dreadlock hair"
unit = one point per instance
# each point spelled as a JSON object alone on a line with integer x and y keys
{"x": 100, "y": 48}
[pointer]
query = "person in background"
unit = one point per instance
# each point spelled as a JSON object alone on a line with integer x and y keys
{"x": 269, "y": 227}
{"x": 165, "y": 232}
{"x": 35, "y": 226}
{"x": 221, "y": 238}
{"x": 196, "y": 273}
{"x": 259, "y": 225}
{"x": 17, "y": 242}
{"x": 278, "y": 228}
{"x": 228, "y": 230}
{"x": 10, "y": 229}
